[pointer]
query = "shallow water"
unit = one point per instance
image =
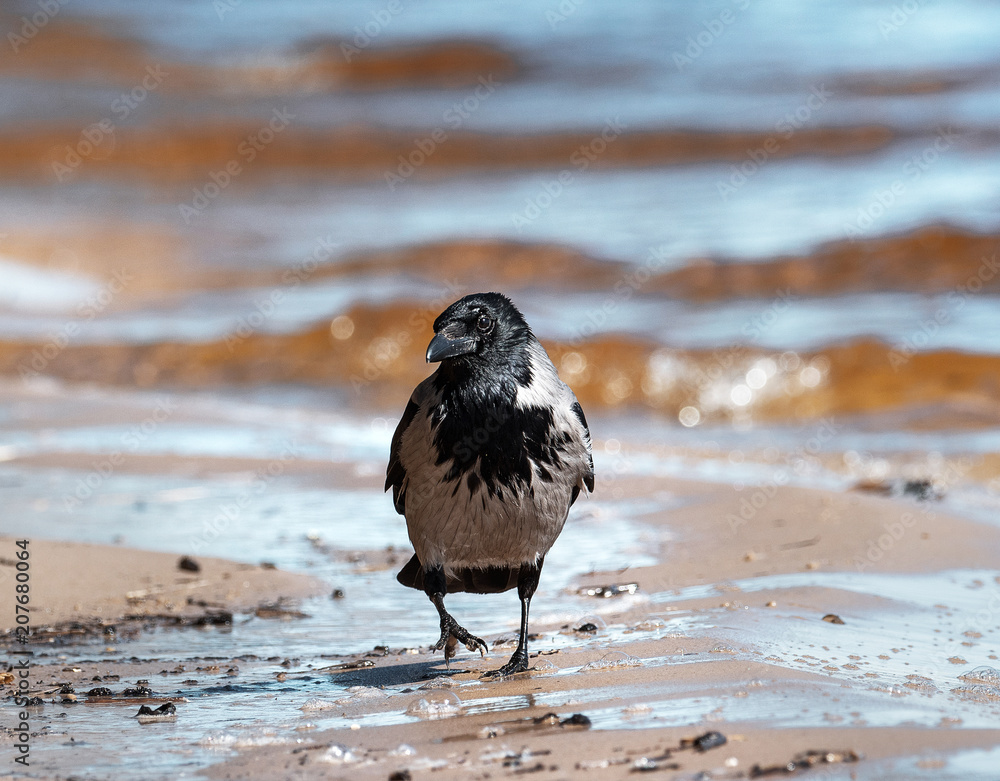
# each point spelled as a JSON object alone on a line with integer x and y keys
{"x": 253, "y": 708}
{"x": 299, "y": 523}
{"x": 727, "y": 83}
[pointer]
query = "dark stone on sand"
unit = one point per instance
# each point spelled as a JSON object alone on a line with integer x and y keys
{"x": 188, "y": 564}
{"x": 588, "y": 627}
{"x": 576, "y": 720}
{"x": 708, "y": 741}
{"x": 804, "y": 761}
{"x": 221, "y": 618}
{"x": 921, "y": 490}
{"x": 278, "y": 610}
{"x": 166, "y": 712}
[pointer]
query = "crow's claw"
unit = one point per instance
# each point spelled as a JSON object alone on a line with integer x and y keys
{"x": 518, "y": 663}
{"x": 452, "y": 633}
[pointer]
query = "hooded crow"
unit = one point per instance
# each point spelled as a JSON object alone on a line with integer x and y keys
{"x": 490, "y": 453}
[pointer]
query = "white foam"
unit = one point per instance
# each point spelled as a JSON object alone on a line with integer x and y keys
{"x": 338, "y": 754}
{"x": 317, "y": 704}
{"x": 440, "y": 704}
{"x": 227, "y": 739}
{"x": 612, "y": 661}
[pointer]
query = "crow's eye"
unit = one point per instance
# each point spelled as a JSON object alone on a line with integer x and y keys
{"x": 484, "y": 324}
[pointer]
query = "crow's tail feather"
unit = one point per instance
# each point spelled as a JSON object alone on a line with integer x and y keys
{"x": 475, "y": 580}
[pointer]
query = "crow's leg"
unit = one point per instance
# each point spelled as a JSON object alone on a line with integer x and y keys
{"x": 527, "y": 582}
{"x": 452, "y": 633}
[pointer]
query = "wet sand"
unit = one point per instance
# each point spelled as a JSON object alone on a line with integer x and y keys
{"x": 798, "y": 620}
{"x": 102, "y": 585}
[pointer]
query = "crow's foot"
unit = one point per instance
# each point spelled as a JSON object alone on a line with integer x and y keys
{"x": 518, "y": 663}
{"x": 451, "y": 632}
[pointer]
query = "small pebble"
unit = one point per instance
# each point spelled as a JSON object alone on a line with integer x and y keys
{"x": 705, "y": 742}
{"x": 166, "y": 712}
{"x": 576, "y": 720}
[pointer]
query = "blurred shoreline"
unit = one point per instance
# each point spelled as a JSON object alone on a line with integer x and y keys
{"x": 376, "y": 346}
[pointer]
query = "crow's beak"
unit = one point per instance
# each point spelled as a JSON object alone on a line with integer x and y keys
{"x": 442, "y": 347}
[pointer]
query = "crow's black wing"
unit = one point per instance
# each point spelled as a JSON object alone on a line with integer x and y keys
{"x": 588, "y": 479}
{"x": 395, "y": 474}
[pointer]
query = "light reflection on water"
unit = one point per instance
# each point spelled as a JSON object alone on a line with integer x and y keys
{"x": 809, "y": 324}
{"x": 171, "y": 514}
{"x": 253, "y": 707}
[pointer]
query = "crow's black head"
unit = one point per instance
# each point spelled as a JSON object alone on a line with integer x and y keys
{"x": 482, "y": 328}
